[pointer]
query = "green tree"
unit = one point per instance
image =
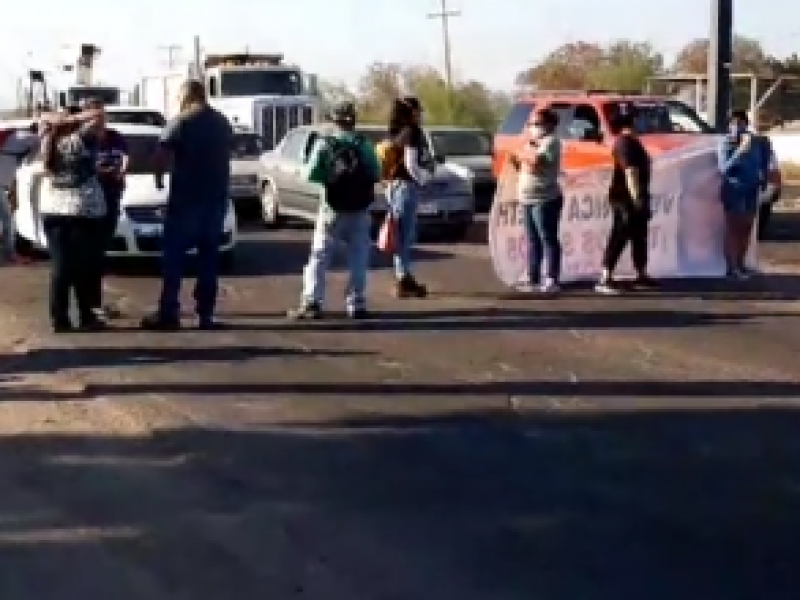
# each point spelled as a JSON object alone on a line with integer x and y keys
{"x": 748, "y": 57}
{"x": 626, "y": 65}
{"x": 468, "y": 103}
{"x": 622, "y": 65}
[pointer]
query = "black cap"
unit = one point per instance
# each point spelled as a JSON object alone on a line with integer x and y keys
{"x": 344, "y": 113}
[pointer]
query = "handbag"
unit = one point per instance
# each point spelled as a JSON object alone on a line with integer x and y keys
{"x": 388, "y": 235}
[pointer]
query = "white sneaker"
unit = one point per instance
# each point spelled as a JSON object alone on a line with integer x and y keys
{"x": 607, "y": 288}
{"x": 549, "y": 288}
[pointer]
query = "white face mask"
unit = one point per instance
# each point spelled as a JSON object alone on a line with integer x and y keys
{"x": 536, "y": 131}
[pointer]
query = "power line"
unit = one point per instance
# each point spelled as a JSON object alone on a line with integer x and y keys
{"x": 173, "y": 53}
{"x": 445, "y": 15}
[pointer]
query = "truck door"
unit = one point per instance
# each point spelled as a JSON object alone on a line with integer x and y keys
{"x": 585, "y": 140}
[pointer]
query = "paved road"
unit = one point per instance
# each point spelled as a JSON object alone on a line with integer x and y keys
{"x": 475, "y": 445}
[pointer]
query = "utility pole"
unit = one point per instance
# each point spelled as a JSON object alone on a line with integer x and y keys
{"x": 173, "y": 52}
{"x": 197, "y": 59}
{"x": 720, "y": 59}
{"x": 445, "y": 15}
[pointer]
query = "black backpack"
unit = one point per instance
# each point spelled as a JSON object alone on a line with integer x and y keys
{"x": 350, "y": 187}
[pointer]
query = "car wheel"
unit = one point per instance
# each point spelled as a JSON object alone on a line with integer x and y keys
{"x": 270, "y": 206}
{"x": 227, "y": 261}
{"x": 764, "y": 218}
{"x": 27, "y": 248}
{"x": 455, "y": 233}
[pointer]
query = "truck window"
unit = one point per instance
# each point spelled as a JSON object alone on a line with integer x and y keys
{"x": 516, "y": 119}
{"x": 255, "y": 83}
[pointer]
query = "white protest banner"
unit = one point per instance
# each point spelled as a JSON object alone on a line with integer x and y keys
{"x": 685, "y": 234}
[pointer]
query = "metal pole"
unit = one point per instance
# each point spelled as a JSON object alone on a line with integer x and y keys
{"x": 198, "y": 59}
{"x": 173, "y": 51}
{"x": 720, "y": 58}
{"x": 445, "y": 15}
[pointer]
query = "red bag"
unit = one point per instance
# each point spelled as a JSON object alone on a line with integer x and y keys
{"x": 387, "y": 236}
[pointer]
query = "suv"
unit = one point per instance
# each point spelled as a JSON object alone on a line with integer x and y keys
{"x": 664, "y": 124}
{"x": 584, "y": 124}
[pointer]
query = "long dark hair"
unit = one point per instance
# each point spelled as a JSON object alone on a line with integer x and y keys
{"x": 402, "y": 114}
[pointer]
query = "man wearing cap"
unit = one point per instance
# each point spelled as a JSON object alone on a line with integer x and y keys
{"x": 347, "y": 168}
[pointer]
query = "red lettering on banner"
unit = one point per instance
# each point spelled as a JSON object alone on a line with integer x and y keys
{"x": 517, "y": 248}
{"x": 592, "y": 243}
{"x": 567, "y": 244}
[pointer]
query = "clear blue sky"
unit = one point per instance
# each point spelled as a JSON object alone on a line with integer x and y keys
{"x": 492, "y": 40}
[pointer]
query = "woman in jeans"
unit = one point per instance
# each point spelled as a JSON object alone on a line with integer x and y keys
{"x": 741, "y": 167}
{"x": 539, "y": 167}
{"x": 410, "y": 173}
{"x": 72, "y": 207}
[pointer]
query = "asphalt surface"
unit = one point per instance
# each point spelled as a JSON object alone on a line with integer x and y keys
{"x": 473, "y": 445}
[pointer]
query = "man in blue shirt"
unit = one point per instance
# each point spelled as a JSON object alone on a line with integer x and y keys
{"x": 198, "y": 143}
{"x": 347, "y": 168}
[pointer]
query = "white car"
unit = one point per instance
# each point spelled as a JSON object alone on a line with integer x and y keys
{"x": 141, "y": 221}
{"x": 245, "y": 165}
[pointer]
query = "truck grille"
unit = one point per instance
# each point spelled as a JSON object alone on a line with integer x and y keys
{"x": 277, "y": 120}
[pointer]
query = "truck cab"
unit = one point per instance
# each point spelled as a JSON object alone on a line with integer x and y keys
{"x": 261, "y": 92}
{"x": 75, "y": 82}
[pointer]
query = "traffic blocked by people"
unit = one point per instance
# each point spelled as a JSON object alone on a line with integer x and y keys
{"x": 407, "y": 167}
{"x": 73, "y": 208}
{"x": 743, "y": 170}
{"x": 346, "y": 166}
{"x": 629, "y": 195}
{"x": 197, "y": 143}
{"x": 542, "y": 201}
{"x": 112, "y": 164}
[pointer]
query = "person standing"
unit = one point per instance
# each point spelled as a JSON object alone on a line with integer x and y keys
{"x": 409, "y": 173}
{"x": 112, "y": 164}
{"x": 346, "y": 165}
{"x": 73, "y": 209}
{"x": 542, "y": 201}
{"x": 198, "y": 143}
{"x": 741, "y": 166}
{"x": 629, "y": 195}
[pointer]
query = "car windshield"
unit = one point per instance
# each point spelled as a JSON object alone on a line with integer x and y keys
{"x": 141, "y": 153}
{"x": 137, "y": 117}
{"x": 247, "y": 145}
{"x": 461, "y": 143}
{"x": 658, "y": 117}
{"x": 260, "y": 83}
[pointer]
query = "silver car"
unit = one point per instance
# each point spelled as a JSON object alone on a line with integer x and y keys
{"x": 447, "y": 205}
{"x": 470, "y": 149}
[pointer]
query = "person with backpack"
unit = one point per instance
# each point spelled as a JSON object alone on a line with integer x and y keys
{"x": 346, "y": 166}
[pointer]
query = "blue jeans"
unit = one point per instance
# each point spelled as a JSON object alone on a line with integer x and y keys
{"x": 403, "y": 199}
{"x": 541, "y": 221}
{"x": 332, "y": 227}
{"x": 201, "y": 228}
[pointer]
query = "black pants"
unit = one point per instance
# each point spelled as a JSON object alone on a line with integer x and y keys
{"x": 629, "y": 225}
{"x": 73, "y": 243}
{"x": 106, "y": 230}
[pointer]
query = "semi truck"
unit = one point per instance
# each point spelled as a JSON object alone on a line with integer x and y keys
{"x": 70, "y": 84}
{"x": 260, "y": 92}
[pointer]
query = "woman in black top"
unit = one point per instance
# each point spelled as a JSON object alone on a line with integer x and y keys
{"x": 73, "y": 208}
{"x": 412, "y": 171}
